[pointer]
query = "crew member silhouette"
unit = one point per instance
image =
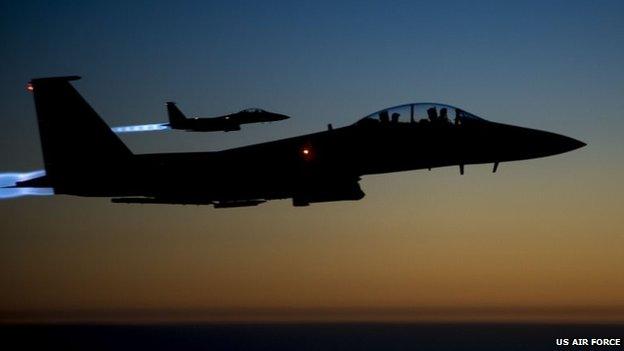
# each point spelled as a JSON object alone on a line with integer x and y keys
{"x": 432, "y": 113}
{"x": 383, "y": 117}
{"x": 395, "y": 118}
{"x": 444, "y": 115}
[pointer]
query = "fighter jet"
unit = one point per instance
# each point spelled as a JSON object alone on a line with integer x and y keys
{"x": 83, "y": 157}
{"x": 227, "y": 123}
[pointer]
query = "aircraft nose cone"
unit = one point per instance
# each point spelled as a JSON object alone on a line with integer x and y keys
{"x": 569, "y": 144}
{"x": 518, "y": 143}
{"x": 553, "y": 144}
{"x": 578, "y": 144}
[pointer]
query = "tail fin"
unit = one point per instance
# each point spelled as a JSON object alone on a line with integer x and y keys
{"x": 176, "y": 117}
{"x": 73, "y": 136}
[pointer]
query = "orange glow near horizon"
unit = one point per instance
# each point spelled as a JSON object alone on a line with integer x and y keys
{"x": 479, "y": 247}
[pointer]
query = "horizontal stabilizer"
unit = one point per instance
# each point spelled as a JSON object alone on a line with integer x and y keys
{"x": 58, "y": 79}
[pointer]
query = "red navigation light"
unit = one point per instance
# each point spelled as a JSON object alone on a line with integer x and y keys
{"x": 306, "y": 153}
{"x": 30, "y": 87}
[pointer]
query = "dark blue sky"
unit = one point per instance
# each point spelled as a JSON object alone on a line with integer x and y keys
{"x": 553, "y": 65}
{"x": 545, "y": 64}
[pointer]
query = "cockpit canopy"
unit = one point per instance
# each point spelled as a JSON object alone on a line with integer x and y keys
{"x": 421, "y": 113}
{"x": 253, "y": 110}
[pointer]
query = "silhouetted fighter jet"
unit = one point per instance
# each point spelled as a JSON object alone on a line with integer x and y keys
{"x": 226, "y": 123}
{"x": 84, "y": 157}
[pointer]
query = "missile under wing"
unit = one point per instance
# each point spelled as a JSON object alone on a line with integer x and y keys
{"x": 226, "y": 123}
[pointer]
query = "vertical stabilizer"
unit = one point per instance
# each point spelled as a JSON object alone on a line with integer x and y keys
{"x": 73, "y": 136}
{"x": 176, "y": 117}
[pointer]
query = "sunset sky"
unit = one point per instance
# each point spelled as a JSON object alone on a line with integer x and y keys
{"x": 539, "y": 239}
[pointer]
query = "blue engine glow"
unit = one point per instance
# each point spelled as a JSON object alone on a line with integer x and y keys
{"x": 10, "y": 193}
{"x": 10, "y": 179}
{"x": 140, "y": 128}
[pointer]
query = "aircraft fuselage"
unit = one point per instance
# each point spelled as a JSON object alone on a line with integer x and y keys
{"x": 283, "y": 168}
